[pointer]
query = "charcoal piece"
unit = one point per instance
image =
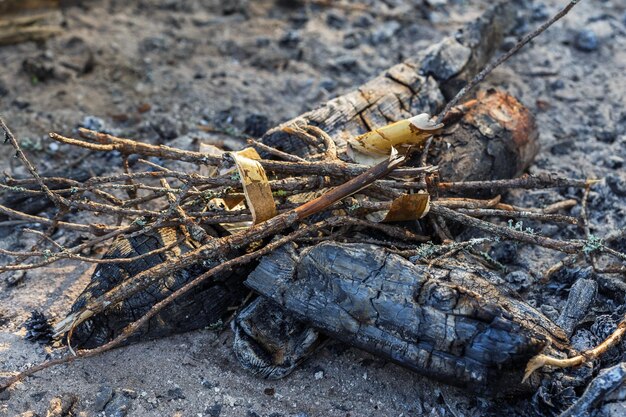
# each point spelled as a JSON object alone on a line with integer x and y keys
{"x": 103, "y": 397}
{"x": 581, "y": 296}
{"x": 269, "y": 342}
{"x": 449, "y": 323}
{"x": 256, "y": 125}
{"x": 606, "y": 382}
{"x": 207, "y": 305}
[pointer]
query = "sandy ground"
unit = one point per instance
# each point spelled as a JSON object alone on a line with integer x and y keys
{"x": 162, "y": 68}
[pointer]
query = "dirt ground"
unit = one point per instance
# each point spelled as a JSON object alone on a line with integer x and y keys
{"x": 166, "y": 71}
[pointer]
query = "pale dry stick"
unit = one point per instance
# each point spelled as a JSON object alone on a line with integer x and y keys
{"x": 336, "y": 168}
{"x": 87, "y": 205}
{"x": 58, "y": 201}
{"x": 91, "y": 228}
{"x": 468, "y": 203}
{"x": 177, "y": 199}
{"x": 560, "y": 205}
{"x": 197, "y": 233}
{"x": 526, "y": 181}
{"x": 443, "y": 258}
{"x": 174, "y": 207}
{"x": 389, "y": 230}
{"x": 557, "y": 218}
{"x": 583, "y": 212}
{"x": 96, "y": 181}
{"x": 541, "y": 360}
{"x": 504, "y": 57}
{"x": 102, "y": 233}
{"x": 131, "y": 328}
{"x": 437, "y": 250}
{"x": 543, "y": 180}
{"x": 550, "y": 209}
{"x": 432, "y": 220}
{"x": 276, "y": 152}
{"x": 312, "y": 135}
{"x": 509, "y": 233}
{"x": 567, "y": 261}
{"x": 217, "y": 247}
{"x": 65, "y": 254}
{"x": 572, "y": 259}
{"x": 575, "y": 247}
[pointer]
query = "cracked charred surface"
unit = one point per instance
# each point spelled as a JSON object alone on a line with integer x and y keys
{"x": 270, "y": 342}
{"x": 450, "y": 324}
{"x": 208, "y": 306}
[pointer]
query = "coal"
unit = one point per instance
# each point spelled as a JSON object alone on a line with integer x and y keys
{"x": 581, "y": 295}
{"x": 607, "y": 381}
{"x": 256, "y": 125}
{"x": 103, "y": 396}
{"x": 586, "y": 40}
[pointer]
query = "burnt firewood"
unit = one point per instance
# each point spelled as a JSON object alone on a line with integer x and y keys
{"x": 581, "y": 296}
{"x": 450, "y": 324}
{"x": 496, "y": 139}
{"x": 608, "y": 383}
{"x": 210, "y": 305}
{"x": 270, "y": 342}
{"x": 506, "y": 140}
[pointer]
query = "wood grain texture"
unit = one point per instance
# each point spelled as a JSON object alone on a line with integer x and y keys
{"x": 451, "y": 324}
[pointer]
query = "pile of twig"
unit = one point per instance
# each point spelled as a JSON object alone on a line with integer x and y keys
{"x": 138, "y": 201}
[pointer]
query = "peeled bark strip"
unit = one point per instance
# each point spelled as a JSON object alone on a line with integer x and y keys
{"x": 255, "y": 184}
{"x": 450, "y": 324}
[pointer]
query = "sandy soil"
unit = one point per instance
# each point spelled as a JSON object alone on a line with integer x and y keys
{"x": 162, "y": 68}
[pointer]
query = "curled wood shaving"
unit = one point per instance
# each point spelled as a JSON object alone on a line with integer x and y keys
{"x": 404, "y": 208}
{"x": 374, "y": 146}
{"x": 408, "y": 207}
{"x": 256, "y": 187}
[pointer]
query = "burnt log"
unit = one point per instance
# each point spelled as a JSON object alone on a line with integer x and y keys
{"x": 210, "y": 305}
{"x": 447, "y": 323}
{"x": 496, "y": 140}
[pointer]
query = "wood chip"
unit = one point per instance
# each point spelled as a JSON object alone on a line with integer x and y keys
{"x": 255, "y": 184}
